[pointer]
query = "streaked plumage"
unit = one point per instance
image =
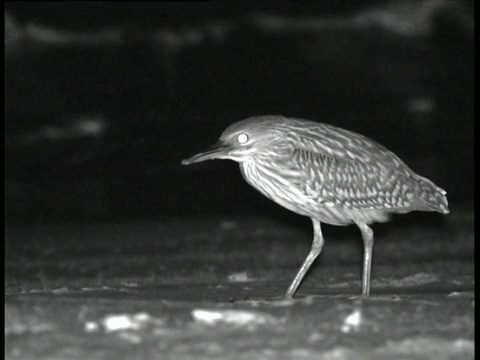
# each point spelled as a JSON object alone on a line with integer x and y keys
{"x": 329, "y": 174}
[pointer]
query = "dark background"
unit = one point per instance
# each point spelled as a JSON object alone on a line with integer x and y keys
{"x": 104, "y": 99}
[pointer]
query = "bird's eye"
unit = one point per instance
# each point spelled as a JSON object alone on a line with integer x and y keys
{"x": 242, "y": 138}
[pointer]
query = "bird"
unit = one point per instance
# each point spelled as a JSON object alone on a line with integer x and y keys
{"x": 329, "y": 174}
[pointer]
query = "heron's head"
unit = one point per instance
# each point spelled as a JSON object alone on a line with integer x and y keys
{"x": 244, "y": 139}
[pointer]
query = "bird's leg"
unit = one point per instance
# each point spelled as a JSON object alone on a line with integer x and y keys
{"x": 312, "y": 255}
{"x": 367, "y": 235}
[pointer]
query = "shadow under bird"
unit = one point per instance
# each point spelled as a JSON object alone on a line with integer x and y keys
{"x": 329, "y": 174}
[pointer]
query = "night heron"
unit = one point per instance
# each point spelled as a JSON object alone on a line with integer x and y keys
{"x": 329, "y": 174}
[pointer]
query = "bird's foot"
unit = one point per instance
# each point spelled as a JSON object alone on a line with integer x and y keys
{"x": 359, "y": 298}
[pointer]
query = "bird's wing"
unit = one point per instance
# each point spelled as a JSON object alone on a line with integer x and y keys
{"x": 347, "y": 145}
{"x": 342, "y": 181}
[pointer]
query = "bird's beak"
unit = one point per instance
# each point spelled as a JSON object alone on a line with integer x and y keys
{"x": 219, "y": 150}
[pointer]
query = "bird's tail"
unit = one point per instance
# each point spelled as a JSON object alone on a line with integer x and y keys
{"x": 434, "y": 198}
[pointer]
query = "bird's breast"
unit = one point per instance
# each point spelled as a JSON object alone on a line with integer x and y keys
{"x": 277, "y": 184}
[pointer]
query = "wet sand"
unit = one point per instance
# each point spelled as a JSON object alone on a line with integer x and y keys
{"x": 211, "y": 289}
